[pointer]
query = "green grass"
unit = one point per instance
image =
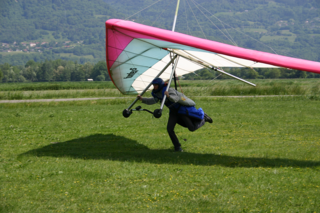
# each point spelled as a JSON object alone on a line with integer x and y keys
{"x": 37, "y": 86}
{"x": 260, "y": 155}
{"x": 52, "y": 90}
{"x": 60, "y": 54}
{"x": 13, "y": 95}
{"x": 224, "y": 13}
{"x": 287, "y": 32}
{"x": 259, "y": 30}
{"x": 72, "y": 55}
{"x": 272, "y": 38}
{"x": 49, "y": 90}
{"x": 264, "y": 87}
{"x": 47, "y": 38}
{"x": 12, "y": 53}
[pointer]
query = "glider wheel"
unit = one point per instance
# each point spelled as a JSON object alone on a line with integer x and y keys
{"x": 126, "y": 113}
{"x": 157, "y": 113}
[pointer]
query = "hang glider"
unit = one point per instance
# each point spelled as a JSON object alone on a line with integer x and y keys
{"x": 137, "y": 53}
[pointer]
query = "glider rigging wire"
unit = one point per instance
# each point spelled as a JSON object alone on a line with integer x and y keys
{"x": 229, "y": 38}
{"x": 196, "y": 20}
{"x": 185, "y": 12}
{"x": 159, "y": 15}
{"x": 198, "y": 5}
{"x": 142, "y": 9}
{"x": 239, "y": 31}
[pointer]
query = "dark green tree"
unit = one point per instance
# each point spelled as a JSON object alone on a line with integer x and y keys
{"x": 273, "y": 73}
{"x": 100, "y": 69}
{"x": 249, "y": 73}
{"x": 87, "y": 69}
{"x": 30, "y": 73}
{"x": 68, "y": 69}
{"x": 5, "y": 70}
{"x": 77, "y": 74}
{"x": 31, "y": 63}
{"x": 45, "y": 72}
{"x": 1, "y": 75}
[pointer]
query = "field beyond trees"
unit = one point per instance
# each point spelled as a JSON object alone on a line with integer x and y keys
{"x": 259, "y": 154}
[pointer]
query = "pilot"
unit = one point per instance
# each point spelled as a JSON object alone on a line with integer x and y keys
{"x": 181, "y": 108}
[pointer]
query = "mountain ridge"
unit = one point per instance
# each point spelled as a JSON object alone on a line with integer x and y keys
{"x": 291, "y": 28}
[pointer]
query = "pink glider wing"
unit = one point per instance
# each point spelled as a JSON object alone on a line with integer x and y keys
{"x": 134, "y": 52}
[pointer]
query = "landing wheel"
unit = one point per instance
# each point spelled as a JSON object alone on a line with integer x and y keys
{"x": 157, "y": 113}
{"x": 126, "y": 113}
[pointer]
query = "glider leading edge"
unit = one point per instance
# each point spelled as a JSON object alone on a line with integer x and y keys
{"x": 137, "y": 53}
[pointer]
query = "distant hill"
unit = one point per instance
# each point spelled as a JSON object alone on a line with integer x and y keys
{"x": 290, "y": 27}
{"x": 60, "y": 29}
{"x": 75, "y": 20}
{"x": 74, "y": 30}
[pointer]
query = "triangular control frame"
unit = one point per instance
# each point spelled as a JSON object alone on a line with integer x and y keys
{"x": 177, "y": 53}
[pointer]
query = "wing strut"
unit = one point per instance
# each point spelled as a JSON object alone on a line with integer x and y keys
{"x": 127, "y": 112}
{"x": 206, "y": 64}
{"x": 158, "y": 112}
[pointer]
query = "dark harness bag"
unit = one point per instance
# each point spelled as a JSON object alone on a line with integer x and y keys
{"x": 191, "y": 111}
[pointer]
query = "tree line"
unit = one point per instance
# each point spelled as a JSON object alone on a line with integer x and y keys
{"x": 62, "y": 70}
{"x": 54, "y": 70}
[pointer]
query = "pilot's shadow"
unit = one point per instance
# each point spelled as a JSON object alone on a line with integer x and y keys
{"x": 118, "y": 148}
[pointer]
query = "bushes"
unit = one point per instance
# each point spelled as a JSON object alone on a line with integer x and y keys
{"x": 54, "y": 70}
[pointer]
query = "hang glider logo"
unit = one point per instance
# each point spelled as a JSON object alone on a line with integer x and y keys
{"x": 131, "y": 74}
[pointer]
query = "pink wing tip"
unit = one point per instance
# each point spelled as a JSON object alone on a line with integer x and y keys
{"x": 111, "y": 22}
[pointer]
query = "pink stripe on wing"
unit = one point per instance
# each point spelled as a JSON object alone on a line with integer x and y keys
{"x": 142, "y": 31}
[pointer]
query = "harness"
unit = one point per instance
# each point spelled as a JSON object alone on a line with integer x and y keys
{"x": 168, "y": 103}
{"x": 190, "y": 111}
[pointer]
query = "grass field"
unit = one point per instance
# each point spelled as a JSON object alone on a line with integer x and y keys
{"x": 40, "y": 86}
{"x": 50, "y": 94}
{"x": 11, "y": 53}
{"x": 272, "y": 38}
{"x": 53, "y": 90}
{"x": 76, "y": 56}
{"x": 259, "y": 155}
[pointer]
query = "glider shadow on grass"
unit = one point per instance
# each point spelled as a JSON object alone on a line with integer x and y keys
{"x": 118, "y": 148}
